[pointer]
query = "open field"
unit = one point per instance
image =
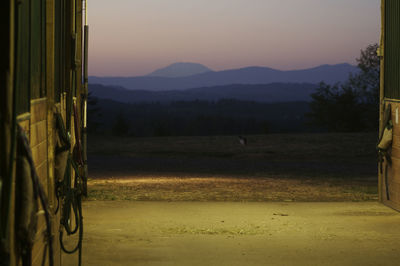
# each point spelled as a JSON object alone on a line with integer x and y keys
{"x": 276, "y": 167}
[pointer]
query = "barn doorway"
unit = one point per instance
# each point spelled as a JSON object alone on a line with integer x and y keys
{"x": 148, "y": 134}
{"x": 191, "y": 197}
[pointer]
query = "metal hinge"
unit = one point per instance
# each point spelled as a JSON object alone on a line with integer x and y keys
{"x": 380, "y": 51}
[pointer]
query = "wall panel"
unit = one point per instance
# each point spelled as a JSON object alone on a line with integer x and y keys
{"x": 392, "y": 50}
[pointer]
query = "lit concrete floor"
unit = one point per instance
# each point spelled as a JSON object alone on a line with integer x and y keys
{"x": 196, "y": 233}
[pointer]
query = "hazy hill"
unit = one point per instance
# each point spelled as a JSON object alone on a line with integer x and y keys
{"x": 276, "y": 92}
{"x": 250, "y": 75}
{"x": 180, "y": 70}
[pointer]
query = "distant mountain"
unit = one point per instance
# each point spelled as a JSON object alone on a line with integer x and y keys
{"x": 180, "y": 70}
{"x": 251, "y": 75}
{"x": 268, "y": 93}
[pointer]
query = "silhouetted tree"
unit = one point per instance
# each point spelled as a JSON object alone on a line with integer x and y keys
{"x": 121, "y": 126}
{"x": 367, "y": 83}
{"x": 353, "y": 105}
{"x": 93, "y": 114}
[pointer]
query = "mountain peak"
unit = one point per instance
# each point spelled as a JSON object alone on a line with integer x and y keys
{"x": 180, "y": 69}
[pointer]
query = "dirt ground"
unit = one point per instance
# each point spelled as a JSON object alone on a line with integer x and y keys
{"x": 285, "y": 199}
{"x": 228, "y": 233}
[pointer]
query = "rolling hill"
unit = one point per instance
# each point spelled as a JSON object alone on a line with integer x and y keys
{"x": 267, "y": 93}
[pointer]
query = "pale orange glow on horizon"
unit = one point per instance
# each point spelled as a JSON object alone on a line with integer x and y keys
{"x": 132, "y": 38}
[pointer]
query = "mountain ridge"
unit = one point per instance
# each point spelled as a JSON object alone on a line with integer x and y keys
{"x": 329, "y": 74}
{"x": 180, "y": 69}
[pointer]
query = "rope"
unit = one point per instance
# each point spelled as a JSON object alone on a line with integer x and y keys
{"x": 72, "y": 199}
{"x": 71, "y": 196}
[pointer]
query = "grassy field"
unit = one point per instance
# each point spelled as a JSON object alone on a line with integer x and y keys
{"x": 276, "y": 167}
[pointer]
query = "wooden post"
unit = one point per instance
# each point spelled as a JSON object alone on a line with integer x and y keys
{"x": 382, "y": 90}
{"x": 7, "y": 174}
{"x": 51, "y": 134}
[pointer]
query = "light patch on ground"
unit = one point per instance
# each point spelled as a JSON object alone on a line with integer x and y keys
{"x": 229, "y": 189}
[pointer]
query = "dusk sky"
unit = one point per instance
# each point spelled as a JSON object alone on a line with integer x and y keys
{"x": 135, "y": 37}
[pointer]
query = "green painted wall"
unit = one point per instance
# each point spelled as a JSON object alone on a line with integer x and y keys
{"x": 30, "y": 75}
{"x": 392, "y": 49}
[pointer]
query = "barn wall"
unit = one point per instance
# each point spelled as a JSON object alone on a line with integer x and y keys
{"x": 36, "y": 84}
{"x": 35, "y": 124}
{"x": 38, "y": 143}
{"x": 392, "y": 178}
{"x": 22, "y": 35}
{"x": 392, "y": 51}
{"x": 390, "y": 93}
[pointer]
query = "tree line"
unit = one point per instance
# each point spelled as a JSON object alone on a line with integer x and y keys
{"x": 196, "y": 118}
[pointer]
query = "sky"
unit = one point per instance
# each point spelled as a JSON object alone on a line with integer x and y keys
{"x": 135, "y": 37}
